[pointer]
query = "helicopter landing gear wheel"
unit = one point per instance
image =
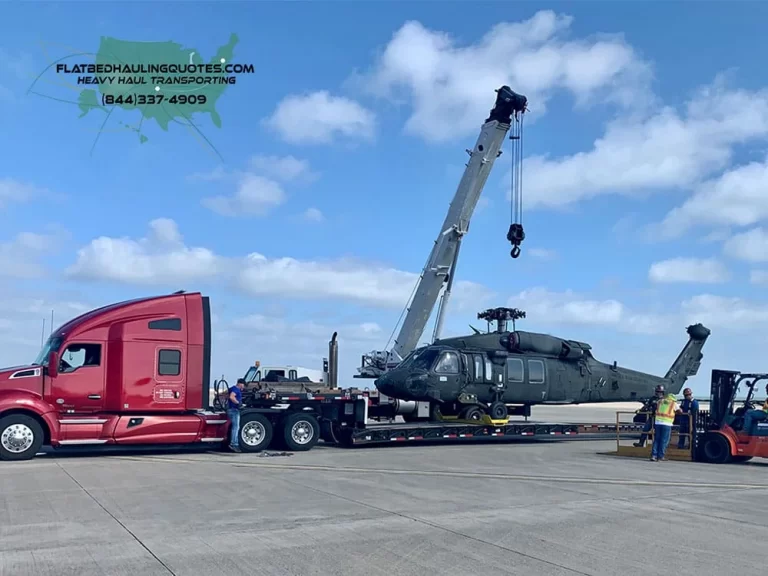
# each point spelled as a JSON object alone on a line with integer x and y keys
{"x": 498, "y": 411}
{"x": 472, "y": 413}
{"x": 435, "y": 412}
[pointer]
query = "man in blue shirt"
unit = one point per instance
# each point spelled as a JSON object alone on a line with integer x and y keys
{"x": 689, "y": 405}
{"x": 234, "y": 404}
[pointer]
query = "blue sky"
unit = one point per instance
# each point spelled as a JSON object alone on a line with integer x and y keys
{"x": 638, "y": 149}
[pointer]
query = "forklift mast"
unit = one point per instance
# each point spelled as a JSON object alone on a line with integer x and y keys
{"x": 722, "y": 392}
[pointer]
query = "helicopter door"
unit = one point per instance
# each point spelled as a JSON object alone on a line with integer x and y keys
{"x": 448, "y": 371}
{"x": 535, "y": 380}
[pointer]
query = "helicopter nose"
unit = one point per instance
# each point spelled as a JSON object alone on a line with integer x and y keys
{"x": 385, "y": 384}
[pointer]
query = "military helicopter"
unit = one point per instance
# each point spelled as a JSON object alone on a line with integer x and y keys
{"x": 502, "y": 373}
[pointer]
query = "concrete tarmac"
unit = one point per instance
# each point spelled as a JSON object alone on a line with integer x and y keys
{"x": 549, "y": 509}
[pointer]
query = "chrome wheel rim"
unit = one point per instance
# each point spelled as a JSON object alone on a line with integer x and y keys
{"x": 302, "y": 432}
{"x": 17, "y": 438}
{"x": 253, "y": 433}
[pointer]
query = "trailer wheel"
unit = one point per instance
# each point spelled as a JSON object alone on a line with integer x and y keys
{"x": 300, "y": 432}
{"x": 21, "y": 437}
{"x": 716, "y": 449}
{"x": 255, "y": 432}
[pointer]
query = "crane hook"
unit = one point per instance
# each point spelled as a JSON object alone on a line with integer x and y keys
{"x": 516, "y": 235}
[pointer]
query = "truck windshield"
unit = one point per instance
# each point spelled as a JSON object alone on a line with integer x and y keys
{"x": 250, "y": 376}
{"x": 51, "y": 345}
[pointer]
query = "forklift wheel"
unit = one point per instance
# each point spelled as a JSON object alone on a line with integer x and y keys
{"x": 716, "y": 449}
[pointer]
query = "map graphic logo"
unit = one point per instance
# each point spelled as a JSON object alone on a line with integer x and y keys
{"x": 165, "y": 82}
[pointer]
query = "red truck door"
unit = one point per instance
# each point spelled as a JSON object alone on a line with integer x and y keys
{"x": 79, "y": 384}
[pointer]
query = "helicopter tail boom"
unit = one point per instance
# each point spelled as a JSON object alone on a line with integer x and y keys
{"x": 688, "y": 361}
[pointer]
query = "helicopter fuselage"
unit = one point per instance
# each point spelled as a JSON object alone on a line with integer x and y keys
{"x": 525, "y": 368}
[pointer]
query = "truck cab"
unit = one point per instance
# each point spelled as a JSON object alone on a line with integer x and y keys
{"x": 131, "y": 372}
{"x": 259, "y": 373}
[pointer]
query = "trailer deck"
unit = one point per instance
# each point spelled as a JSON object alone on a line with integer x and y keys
{"x": 343, "y": 417}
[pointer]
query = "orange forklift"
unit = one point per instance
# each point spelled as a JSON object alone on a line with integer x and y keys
{"x": 720, "y": 436}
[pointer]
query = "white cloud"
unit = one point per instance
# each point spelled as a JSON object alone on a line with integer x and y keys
{"x": 733, "y": 313}
{"x": 451, "y": 86}
{"x": 162, "y": 258}
{"x": 703, "y": 271}
{"x": 280, "y": 328}
{"x": 255, "y": 196}
{"x": 751, "y": 246}
{"x": 159, "y": 258}
{"x": 14, "y": 191}
{"x": 313, "y": 215}
{"x": 20, "y": 257}
{"x": 666, "y": 150}
{"x": 21, "y": 322}
{"x": 285, "y": 168}
{"x": 257, "y": 188}
{"x": 542, "y": 253}
{"x": 542, "y": 305}
{"x": 341, "y": 279}
{"x": 739, "y": 197}
{"x": 319, "y": 118}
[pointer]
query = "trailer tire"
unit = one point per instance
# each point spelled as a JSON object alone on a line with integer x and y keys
{"x": 715, "y": 449}
{"x": 300, "y": 432}
{"x": 255, "y": 432}
{"x": 27, "y": 437}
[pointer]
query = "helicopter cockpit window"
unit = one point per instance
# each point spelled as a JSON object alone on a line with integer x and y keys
{"x": 448, "y": 363}
{"x": 421, "y": 360}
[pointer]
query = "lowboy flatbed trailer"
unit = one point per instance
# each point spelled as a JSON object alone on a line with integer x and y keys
{"x": 297, "y": 421}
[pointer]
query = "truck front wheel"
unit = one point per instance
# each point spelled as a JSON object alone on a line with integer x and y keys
{"x": 255, "y": 432}
{"x": 21, "y": 437}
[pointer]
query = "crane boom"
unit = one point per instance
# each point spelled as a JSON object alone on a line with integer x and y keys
{"x": 441, "y": 264}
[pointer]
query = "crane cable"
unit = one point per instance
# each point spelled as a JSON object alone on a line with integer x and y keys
{"x": 516, "y": 234}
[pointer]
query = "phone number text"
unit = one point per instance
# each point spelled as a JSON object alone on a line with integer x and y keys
{"x": 151, "y": 99}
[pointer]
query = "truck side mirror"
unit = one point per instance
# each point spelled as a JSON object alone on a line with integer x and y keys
{"x": 53, "y": 364}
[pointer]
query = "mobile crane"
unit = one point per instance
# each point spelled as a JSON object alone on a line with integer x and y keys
{"x": 439, "y": 272}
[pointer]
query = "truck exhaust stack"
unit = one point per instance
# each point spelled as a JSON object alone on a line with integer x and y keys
{"x": 333, "y": 362}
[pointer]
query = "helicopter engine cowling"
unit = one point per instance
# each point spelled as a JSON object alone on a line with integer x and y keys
{"x": 543, "y": 344}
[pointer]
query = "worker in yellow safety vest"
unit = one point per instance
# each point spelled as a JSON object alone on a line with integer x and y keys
{"x": 662, "y": 428}
{"x": 751, "y": 415}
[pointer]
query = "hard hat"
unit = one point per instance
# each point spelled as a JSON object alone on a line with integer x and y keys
{"x": 687, "y": 391}
{"x": 659, "y": 389}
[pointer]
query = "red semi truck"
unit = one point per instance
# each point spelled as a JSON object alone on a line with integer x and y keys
{"x": 138, "y": 372}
